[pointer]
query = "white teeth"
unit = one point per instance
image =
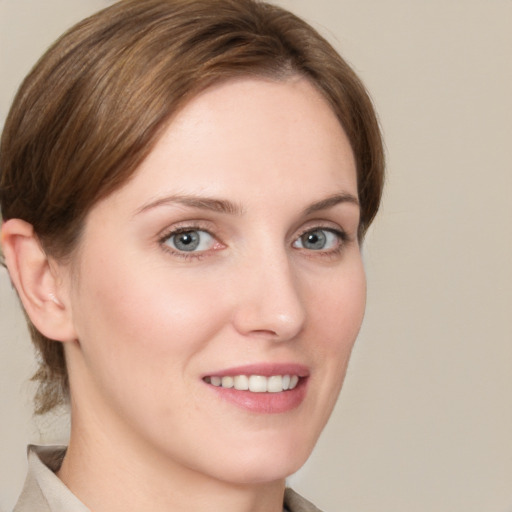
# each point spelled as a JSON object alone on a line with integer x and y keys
{"x": 227, "y": 382}
{"x": 242, "y": 382}
{"x": 216, "y": 381}
{"x": 275, "y": 384}
{"x": 256, "y": 383}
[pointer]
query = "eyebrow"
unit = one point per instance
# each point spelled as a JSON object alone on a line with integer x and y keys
{"x": 203, "y": 203}
{"x": 332, "y": 201}
{"x": 229, "y": 207}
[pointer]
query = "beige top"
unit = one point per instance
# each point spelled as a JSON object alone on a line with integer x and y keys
{"x": 44, "y": 491}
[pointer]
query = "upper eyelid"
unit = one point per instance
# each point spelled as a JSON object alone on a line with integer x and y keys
{"x": 186, "y": 229}
{"x": 328, "y": 225}
{"x": 333, "y": 229}
{"x": 184, "y": 226}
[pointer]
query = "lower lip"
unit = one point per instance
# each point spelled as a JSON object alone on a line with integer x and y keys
{"x": 264, "y": 403}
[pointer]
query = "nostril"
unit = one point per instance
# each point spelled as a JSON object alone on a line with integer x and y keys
{"x": 264, "y": 332}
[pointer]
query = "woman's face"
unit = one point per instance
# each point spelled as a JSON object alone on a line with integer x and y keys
{"x": 231, "y": 257}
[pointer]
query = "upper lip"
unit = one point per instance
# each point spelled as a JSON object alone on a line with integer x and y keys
{"x": 263, "y": 369}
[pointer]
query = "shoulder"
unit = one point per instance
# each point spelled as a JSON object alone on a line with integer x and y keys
{"x": 294, "y": 502}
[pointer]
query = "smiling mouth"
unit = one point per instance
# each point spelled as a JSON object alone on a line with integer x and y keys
{"x": 255, "y": 383}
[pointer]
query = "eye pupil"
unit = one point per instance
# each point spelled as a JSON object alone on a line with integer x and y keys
{"x": 186, "y": 238}
{"x": 314, "y": 240}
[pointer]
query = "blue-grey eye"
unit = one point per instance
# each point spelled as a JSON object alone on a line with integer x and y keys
{"x": 190, "y": 241}
{"x": 317, "y": 240}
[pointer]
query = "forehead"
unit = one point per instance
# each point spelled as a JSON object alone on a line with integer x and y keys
{"x": 249, "y": 138}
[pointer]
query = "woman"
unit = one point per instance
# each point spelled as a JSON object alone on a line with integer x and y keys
{"x": 185, "y": 186}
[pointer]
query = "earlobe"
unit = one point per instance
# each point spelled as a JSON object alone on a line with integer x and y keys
{"x": 36, "y": 282}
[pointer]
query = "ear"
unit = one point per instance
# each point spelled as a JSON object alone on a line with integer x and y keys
{"x": 39, "y": 286}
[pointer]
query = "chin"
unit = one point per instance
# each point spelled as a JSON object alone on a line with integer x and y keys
{"x": 268, "y": 463}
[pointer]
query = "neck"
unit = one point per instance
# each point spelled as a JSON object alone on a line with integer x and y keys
{"x": 114, "y": 474}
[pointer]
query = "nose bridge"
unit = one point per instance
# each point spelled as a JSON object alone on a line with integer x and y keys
{"x": 270, "y": 300}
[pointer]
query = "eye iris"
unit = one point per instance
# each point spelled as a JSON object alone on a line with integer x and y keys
{"x": 187, "y": 241}
{"x": 314, "y": 240}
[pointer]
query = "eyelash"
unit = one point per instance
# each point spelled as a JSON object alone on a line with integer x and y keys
{"x": 342, "y": 236}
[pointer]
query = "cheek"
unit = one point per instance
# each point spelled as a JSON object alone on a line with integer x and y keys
{"x": 140, "y": 319}
{"x": 338, "y": 310}
{"x": 139, "y": 337}
{"x": 336, "y": 317}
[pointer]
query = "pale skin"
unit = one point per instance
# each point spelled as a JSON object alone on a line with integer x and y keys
{"x": 261, "y": 173}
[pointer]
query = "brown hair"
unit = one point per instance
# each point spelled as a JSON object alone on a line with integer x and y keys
{"x": 95, "y": 104}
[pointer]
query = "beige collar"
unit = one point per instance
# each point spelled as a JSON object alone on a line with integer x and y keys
{"x": 43, "y": 490}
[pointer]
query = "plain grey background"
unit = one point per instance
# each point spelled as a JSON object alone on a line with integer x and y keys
{"x": 424, "y": 422}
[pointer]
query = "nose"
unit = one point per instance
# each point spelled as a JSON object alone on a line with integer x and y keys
{"x": 268, "y": 300}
